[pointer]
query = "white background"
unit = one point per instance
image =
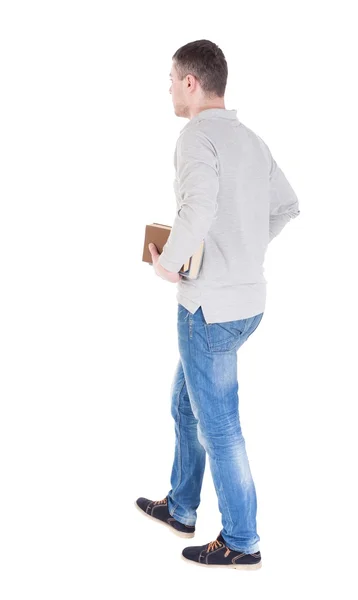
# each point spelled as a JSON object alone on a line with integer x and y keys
{"x": 88, "y": 331}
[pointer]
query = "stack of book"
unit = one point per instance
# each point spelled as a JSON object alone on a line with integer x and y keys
{"x": 158, "y": 234}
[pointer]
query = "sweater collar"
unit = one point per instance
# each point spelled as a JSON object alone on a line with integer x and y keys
{"x": 212, "y": 113}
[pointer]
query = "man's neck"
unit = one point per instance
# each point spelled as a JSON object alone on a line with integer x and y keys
{"x": 199, "y": 109}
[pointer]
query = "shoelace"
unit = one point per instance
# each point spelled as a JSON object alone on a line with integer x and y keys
{"x": 164, "y": 501}
{"x": 214, "y": 545}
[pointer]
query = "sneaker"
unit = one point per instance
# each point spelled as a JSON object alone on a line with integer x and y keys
{"x": 158, "y": 510}
{"x": 217, "y": 554}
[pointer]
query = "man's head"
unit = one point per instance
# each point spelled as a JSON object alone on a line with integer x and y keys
{"x": 198, "y": 78}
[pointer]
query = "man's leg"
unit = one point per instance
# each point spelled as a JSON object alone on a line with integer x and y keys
{"x": 189, "y": 457}
{"x": 209, "y": 359}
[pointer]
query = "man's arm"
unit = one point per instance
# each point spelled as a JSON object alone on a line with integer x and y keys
{"x": 284, "y": 204}
{"x": 198, "y": 185}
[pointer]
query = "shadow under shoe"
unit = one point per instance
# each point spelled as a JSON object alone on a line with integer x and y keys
{"x": 158, "y": 510}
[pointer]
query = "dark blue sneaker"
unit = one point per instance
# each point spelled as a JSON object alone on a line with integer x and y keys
{"x": 217, "y": 554}
{"x": 158, "y": 510}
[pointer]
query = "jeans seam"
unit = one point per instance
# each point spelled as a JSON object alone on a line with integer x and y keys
{"x": 179, "y": 440}
{"x": 223, "y": 494}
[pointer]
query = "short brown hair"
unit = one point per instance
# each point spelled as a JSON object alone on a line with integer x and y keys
{"x": 206, "y": 61}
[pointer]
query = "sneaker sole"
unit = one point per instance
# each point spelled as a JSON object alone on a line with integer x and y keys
{"x": 181, "y": 534}
{"x": 242, "y": 567}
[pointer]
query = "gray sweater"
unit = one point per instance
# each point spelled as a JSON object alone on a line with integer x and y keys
{"x": 230, "y": 193}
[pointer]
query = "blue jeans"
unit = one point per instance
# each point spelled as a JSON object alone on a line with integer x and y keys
{"x": 205, "y": 408}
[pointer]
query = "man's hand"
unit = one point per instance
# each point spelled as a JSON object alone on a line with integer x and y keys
{"x": 163, "y": 273}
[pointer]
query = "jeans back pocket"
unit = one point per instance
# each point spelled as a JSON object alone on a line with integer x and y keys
{"x": 223, "y": 337}
{"x": 230, "y": 335}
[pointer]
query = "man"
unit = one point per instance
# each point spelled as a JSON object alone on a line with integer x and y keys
{"x": 230, "y": 193}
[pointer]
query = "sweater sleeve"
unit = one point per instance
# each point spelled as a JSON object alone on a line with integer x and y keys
{"x": 284, "y": 204}
{"x": 198, "y": 185}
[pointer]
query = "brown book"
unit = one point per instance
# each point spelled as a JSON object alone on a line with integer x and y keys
{"x": 157, "y": 233}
